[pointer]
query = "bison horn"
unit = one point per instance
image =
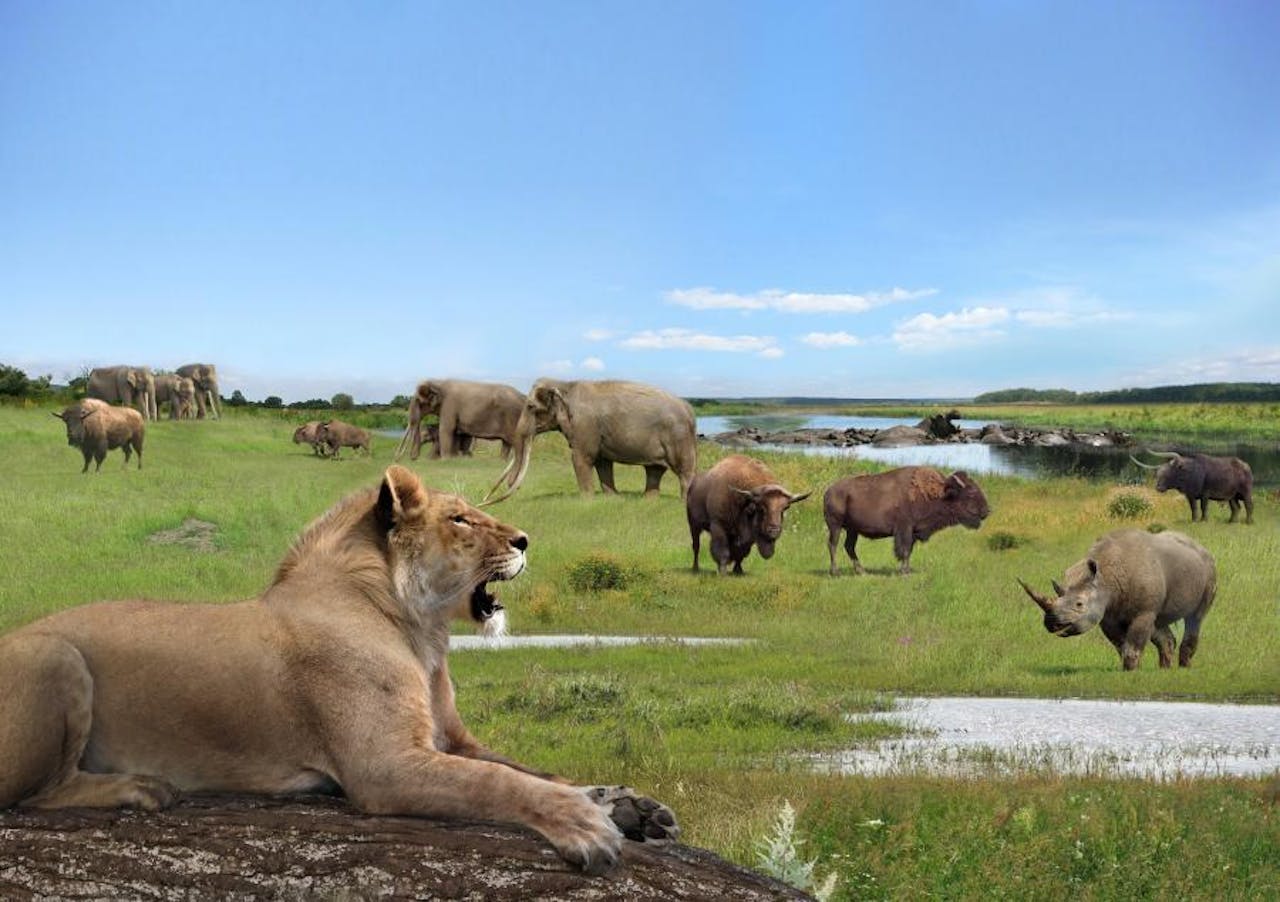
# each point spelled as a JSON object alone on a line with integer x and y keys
{"x": 747, "y": 492}
{"x": 798, "y": 498}
{"x": 1141, "y": 464}
{"x": 1044, "y": 603}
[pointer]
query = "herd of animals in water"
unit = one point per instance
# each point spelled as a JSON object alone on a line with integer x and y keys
{"x": 1132, "y": 584}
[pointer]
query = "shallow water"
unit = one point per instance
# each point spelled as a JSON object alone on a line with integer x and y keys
{"x": 992, "y": 736}
{"x": 467, "y": 643}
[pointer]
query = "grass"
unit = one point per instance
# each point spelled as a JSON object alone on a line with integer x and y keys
{"x": 720, "y": 733}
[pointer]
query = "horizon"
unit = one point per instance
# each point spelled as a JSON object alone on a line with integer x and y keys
{"x": 728, "y": 200}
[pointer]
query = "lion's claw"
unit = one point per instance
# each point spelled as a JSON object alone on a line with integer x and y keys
{"x": 640, "y": 818}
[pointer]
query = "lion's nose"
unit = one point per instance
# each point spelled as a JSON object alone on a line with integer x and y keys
{"x": 520, "y": 542}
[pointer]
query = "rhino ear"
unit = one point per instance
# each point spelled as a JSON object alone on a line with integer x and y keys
{"x": 1093, "y": 567}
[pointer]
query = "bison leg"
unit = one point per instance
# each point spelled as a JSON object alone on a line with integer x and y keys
{"x": 653, "y": 474}
{"x": 851, "y": 549}
{"x": 1235, "y": 509}
{"x": 1164, "y": 642}
{"x": 833, "y": 537}
{"x": 1247, "y": 498}
{"x": 695, "y": 535}
{"x": 720, "y": 549}
{"x": 903, "y": 540}
{"x": 88, "y": 456}
{"x": 1192, "y": 502}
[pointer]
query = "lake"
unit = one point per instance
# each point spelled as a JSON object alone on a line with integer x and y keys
{"x": 1030, "y": 462}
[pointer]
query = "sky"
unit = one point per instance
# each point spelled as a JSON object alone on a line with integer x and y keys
{"x": 854, "y": 199}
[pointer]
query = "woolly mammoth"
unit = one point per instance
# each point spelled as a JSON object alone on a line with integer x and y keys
{"x": 134, "y": 386}
{"x": 467, "y": 411}
{"x": 205, "y": 377}
{"x": 608, "y": 422}
{"x": 179, "y": 393}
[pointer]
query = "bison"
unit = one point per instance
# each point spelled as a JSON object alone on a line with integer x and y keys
{"x": 741, "y": 504}
{"x": 1203, "y": 478}
{"x": 95, "y": 427}
{"x": 1135, "y": 584}
{"x": 309, "y": 434}
{"x": 337, "y": 435}
{"x": 909, "y": 503}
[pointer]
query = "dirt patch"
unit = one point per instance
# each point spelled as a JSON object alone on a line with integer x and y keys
{"x": 318, "y": 848}
{"x": 194, "y": 534}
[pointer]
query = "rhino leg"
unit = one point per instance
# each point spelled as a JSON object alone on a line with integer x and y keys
{"x": 1164, "y": 642}
{"x": 1136, "y": 638}
{"x": 653, "y": 478}
{"x": 1190, "y": 639}
{"x": 1114, "y": 633}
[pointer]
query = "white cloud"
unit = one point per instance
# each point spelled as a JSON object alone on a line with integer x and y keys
{"x": 1065, "y": 319}
{"x": 599, "y": 334}
{"x": 558, "y": 366}
{"x": 827, "y": 340}
{"x": 927, "y": 331}
{"x": 688, "y": 340}
{"x": 772, "y": 353}
{"x": 594, "y": 364}
{"x": 792, "y": 301}
{"x": 1254, "y": 365}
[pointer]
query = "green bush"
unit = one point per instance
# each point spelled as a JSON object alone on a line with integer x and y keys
{"x": 1128, "y": 506}
{"x": 1004, "y": 541}
{"x": 597, "y": 572}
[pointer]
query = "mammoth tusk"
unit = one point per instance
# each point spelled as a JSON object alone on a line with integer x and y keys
{"x": 1044, "y": 603}
{"x": 1141, "y": 464}
{"x": 403, "y": 440}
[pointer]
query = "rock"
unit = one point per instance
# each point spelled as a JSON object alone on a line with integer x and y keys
{"x": 995, "y": 436}
{"x": 897, "y": 436}
{"x": 234, "y": 847}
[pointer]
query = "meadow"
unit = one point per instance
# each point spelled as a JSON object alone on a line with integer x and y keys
{"x": 722, "y": 734}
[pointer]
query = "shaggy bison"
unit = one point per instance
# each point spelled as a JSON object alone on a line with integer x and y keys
{"x": 741, "y": 504}
{"x": 909, "y": 503}
{"x": 336, "y": 435}
{"x": 1135, "y": 584}
{"x": 309, "y": 434}
{"x": 1203, "y": 478}
{"x": 95, "y": 427}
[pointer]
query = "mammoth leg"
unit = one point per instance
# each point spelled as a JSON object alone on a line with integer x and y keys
{"x": 465, "y": 443}
{"x": 604, "y": 470}
{"x": 45, "y": 721}
{"x": 653, "y": 478}
{"x": 582, "y": 469}
{"x": 1162, "y": 639}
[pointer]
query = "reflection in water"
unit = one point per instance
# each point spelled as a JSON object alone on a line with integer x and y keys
{"x": 1032, "y": 462}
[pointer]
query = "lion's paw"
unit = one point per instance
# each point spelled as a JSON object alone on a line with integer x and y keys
{"x": 640, "y": 818}
{"x": 148, "y": 793}
{"x": 581, "y": 831}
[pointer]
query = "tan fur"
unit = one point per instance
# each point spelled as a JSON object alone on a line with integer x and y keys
{"x": 335, "y": 677}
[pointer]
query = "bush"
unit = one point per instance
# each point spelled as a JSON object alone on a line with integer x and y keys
{"x": 1128, "y": 506}
{"x": 597, "y": 572}
{"x": 1004, "y": 541}
{"x": 1156, "y": 528}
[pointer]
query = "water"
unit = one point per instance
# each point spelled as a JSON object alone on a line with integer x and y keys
{"x": 473, "y": 642}
{"x": 997, "y": 736}
{"x": 1030, "y": 462}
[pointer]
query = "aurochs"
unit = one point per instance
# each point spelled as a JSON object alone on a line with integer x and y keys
{"x": 909, "y": 503}
{"x": 1203, "y": 478}
{"x": 1135, "y": 584}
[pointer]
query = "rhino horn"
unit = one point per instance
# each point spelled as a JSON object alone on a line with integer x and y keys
{"x": 1044, "y": 603}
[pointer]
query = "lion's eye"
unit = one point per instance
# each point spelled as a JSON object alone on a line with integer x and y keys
{"x": 460, "y": 519}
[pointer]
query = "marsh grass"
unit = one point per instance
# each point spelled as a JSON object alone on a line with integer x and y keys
{"x": 720, "y": 733}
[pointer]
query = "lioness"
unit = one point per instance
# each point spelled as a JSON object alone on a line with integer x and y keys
{"x": 334, "y": 679}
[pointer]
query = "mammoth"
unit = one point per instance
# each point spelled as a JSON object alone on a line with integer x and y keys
{"x": 1203, "y": 478}
{"x": 205, "y": 377}
{"x": 467, "y": 411}
{"x": 1135, "y": 584}
{"x": 131, "y": 385}
{"x": 741, "y": 504}
{"x": 180, "y": 394}
{"x": 607, "y": 422}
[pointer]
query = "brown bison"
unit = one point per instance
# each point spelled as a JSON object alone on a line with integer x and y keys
{"x": 909, "y": 503}
{"x": 740, "y": 503}
{"x": 1203, "y": 478}
{"x": 309, "y": 434}
{"x": 336, "y": 435}
{"x": 95, "y": 427}
{"x": 1135, "y": 584}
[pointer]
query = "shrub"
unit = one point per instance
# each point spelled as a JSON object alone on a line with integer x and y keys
{"x": 597, "y": 572}
{"x": 1128, "y": 506}
{"x": 1004, "y": 541}
{"x": 1156, "y": 527}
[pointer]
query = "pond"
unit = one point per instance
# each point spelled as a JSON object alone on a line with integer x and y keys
{"x": 989, "y": 736}
{"x": 1030, "y": 462}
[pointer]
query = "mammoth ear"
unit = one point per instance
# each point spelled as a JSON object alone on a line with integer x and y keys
{"x": 401, "y": 496}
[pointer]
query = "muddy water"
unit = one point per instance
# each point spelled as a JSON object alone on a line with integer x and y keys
{"x": 987, "y": 736}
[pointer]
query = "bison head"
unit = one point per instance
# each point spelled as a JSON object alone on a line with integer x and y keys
{"x": 763, "y": 512}
{"x": 1177, "y": 473}
{"x": 1079, "y": 607}
{"x": 967, "y": 500}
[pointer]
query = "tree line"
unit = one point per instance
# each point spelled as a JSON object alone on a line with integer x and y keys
{"x": 1204, "y": 392}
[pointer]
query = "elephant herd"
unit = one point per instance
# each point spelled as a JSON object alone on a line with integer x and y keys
{"x": 190, "y": 391}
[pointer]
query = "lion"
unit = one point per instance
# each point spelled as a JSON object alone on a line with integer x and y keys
{"x": 335, "y": 679}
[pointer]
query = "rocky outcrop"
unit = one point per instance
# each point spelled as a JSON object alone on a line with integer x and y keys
{"x": 317, "y": 848}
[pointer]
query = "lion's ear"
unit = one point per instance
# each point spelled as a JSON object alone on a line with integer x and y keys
{"x": 401, "y": 495}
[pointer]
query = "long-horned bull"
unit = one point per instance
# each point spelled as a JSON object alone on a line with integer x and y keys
{"x": 741, "y": 504}
{"x": 1135, "y": 584}
{"x": 908, "y": 503}
{"x": 1203, "y": 478}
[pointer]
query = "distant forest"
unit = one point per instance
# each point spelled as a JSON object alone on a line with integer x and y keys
{"x": 1203, "y": 392}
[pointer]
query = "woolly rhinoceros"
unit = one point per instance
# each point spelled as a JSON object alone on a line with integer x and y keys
{"x": 1135, "y": 584}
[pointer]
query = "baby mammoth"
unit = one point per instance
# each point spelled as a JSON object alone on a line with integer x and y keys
{"x": 1135, "y": 584}
{"x": 95, "y": 427}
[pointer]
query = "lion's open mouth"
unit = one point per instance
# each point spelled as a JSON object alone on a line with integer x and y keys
{"x": 483, "y": 604}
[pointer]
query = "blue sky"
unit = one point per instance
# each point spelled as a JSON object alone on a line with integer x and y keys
{"x": 851, "y": 199}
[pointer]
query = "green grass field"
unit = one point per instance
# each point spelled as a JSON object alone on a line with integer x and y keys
{"x": 720, "y": 733}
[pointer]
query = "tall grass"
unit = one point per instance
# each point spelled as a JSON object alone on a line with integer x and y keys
{"x": 721, "y": 733}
